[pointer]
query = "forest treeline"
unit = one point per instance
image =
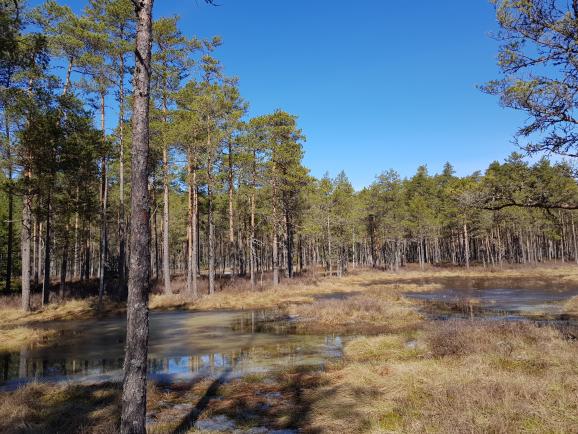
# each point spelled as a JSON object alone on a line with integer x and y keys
{"x": 229, "y": 194}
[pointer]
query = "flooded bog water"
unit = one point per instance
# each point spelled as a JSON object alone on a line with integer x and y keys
{"x": 496, "y": 301}
{"x": 182, "y": 346}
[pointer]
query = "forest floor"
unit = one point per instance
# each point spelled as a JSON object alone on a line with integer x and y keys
{"x": 401, "y": 371}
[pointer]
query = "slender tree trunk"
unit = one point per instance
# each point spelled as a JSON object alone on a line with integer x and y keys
{"x": 133, "y": 417}
{"x": 64, "y": 264}
{"x": 25, "y": 247}
{"x": 575, "y": 242}
{"x": 10, "y": 191}
{"x": 46, "y": 283}
{"x": 252, "y": 253}
{"x": 466, "y": 245}
{"x": 210, "y": 224}
{"x": 289, "y": 230}
{"x": 252, "y": 239}
{"x": 38, "y": 242}
{"x": 230, "y": 192}
{"x": 122, "y": 212}
{"x": 76, "y": 258}
{"x": 103, "y": 204}
{"x": 192, "y": 286}
{"x": 329, "y": 248}
{"x": 165, "y": 249}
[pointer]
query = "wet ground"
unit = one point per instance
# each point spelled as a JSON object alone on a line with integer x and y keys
{"x": 500, "y": 302}
{"x": 182, "y": 346}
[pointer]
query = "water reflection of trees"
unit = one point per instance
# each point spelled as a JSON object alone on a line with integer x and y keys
{"x": 254, "y": 357}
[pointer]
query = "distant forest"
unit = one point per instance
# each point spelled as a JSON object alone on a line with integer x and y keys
{"x": 229, "y": 194}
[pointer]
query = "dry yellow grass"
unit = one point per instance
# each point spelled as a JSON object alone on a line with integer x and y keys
{"x": 40, "y": 408}
{"x": 456, "y": 377}
{"x": 571, "y": 306}
{"x": 69, "y": 310}
{"x": 14, "y": 339}
{"x": 383, "y": 308}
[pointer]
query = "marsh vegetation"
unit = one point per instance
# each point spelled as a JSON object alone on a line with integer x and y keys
{"x": 354, "y": 354}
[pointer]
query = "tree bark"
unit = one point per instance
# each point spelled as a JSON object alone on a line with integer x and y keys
{"x": 10, "y": 191}
{"x": 25, "y": 249}
{"x": 122, "y": 212}
{"x": 103, "y": 209}
{"x": 210, "y": 224}
{"x": 133, "y": 416}
{"x": 466, "y": 245}
{"x": 252, "y": 235}
{"x": 192, "y": 286}
{"x": 166, "y": 257}
{"x": 46, "y": 283}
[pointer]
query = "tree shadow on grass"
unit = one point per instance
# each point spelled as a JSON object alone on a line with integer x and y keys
{"x": 44, "y": 408}
{"x": 211, "y": 393}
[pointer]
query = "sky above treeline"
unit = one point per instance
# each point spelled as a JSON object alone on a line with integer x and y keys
{"x": 375, "y": 84}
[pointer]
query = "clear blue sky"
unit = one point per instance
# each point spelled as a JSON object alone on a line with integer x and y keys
{"x": 376, "y": 84}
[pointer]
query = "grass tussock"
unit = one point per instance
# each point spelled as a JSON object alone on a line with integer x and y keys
{"x": 455, "y": 377}
{"x": 378, "y": 310}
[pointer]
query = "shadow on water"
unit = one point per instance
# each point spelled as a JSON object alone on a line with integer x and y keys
{"x": 212, "y": 392}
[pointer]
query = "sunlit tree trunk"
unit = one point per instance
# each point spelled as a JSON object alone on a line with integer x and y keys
{"x": 25, "y": 235}
{"x": 133, "y": 416}
{"x": 103, "y": 204}
{"x": 165, "y": 249}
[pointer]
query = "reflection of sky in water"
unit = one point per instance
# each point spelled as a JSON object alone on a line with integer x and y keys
{"x": 182, "y": 346}
{"x": 503, "y": 299}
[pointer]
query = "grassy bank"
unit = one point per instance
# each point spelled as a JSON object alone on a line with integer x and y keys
{"x": 453, "y": 377}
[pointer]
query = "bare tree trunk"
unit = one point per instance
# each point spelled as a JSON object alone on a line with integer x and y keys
{"x": 103, "y": 204}
{"x": 211, "y": 227}
{"x": 289, "y": 243}
{"x": 38, "y": 242}
{"x": 575, "y": 242}
{"x": 46, "y": 283}
{"x": 466, "y": 245}
{"x": 122, "y": 212}
{"x": 192, "y": 288}
{"x": 76, "y": 258}
{"x": 231, "y": 187}
{"x": 252, "y": 240}
{"x": 10, "y": 191}
{"x": 64, "y": 264}
{"x": 329, "y": 249}
{"x": 133, "y": 417}
{"x": 25, "y": 248}
{"x": 166, "y": 257}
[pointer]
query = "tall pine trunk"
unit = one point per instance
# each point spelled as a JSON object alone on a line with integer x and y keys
{"x": 10, "y": 235}
{"x": 133, "y": 417}
{"x": 210, "y": 224}
{"x": 192, "y": 286}
{"x": 25, "y": 235}
{"x": 46, "y": 283}
{"x": 103, "y": 209}
{"x": 165, "y": 249}
{"x": 252, "y": 235}
{"x": 122, "y": 212}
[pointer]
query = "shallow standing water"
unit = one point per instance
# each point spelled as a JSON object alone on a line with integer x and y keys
{"x": 182, "y": 346}
{"x": 513, "y": 302}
